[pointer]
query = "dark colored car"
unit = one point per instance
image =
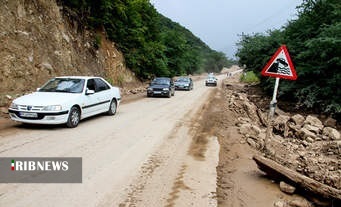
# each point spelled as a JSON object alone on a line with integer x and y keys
{"x": 161, "y": 87}
{"x": 183, "y": 83}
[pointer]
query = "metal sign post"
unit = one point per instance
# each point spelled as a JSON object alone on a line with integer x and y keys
{"x": 273, "y": 102}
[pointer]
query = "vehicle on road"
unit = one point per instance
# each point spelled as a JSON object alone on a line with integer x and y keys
{"x": 183, "y": 83}
{"x": 66, "y": 100}
{"x": 161, "y": 86}
{"x": 211, "y": 81}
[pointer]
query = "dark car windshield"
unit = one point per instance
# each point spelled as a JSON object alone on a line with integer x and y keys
{"x": 160, "y": 81}
{"x": 66, "y": 85}
{"x": 182, "y": 80}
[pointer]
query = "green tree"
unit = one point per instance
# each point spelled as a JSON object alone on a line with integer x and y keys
{"x": 314, "y": 43}
{"x": 152, "y": 44}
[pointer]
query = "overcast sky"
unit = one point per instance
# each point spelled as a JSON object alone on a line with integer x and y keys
{"x": 220, "y": 22}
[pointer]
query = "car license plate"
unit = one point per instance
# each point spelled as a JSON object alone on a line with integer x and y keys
{"x": 157, "y": 92}
{"x": 29, "y": 114}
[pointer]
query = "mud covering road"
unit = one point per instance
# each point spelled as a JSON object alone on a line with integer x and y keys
{"x": 177, "y": 152}
{"x": 139, "y": 157}
{"x": 239, "y": 182}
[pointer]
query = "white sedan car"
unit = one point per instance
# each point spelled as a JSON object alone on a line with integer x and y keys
{"x": 66, "y": 100}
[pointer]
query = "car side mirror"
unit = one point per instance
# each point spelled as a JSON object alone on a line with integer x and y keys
{"x": 89, "y": 92}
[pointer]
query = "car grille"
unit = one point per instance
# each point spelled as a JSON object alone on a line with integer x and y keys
{"x": 39, "y": 115}
{"x": 30, "y": 108}
{"x": 157, "y": 89}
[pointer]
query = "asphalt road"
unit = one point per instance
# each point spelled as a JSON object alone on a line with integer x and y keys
{"x": 132, "y": 158}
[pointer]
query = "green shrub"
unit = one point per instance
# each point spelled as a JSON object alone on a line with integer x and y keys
{"x": 110, "y": 81}
{"x": 97, "y": 41}
{"x": 249, "y": 77}
{"x": 120, "y": 80}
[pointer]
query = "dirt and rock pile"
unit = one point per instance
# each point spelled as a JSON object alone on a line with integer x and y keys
{"x": 302, "y": 143}
{"x": 315, "y": 149}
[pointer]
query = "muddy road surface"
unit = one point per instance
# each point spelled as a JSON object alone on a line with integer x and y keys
{"x": 139, "y": 157}
{"x": 172, "y": 152}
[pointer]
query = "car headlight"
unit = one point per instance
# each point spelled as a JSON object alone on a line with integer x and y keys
{"x": 186, "y": 85}
{"x": 165, "y": 89}
{"x": 53, "y": 108}
{"x": 14, "y": 106}
{"x": 149, "y": 89}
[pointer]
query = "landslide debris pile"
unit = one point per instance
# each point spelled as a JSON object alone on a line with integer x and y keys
{"x": 302, "y": 143}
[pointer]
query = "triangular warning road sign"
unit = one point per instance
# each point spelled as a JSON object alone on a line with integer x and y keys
{"x": 280, "y": 65}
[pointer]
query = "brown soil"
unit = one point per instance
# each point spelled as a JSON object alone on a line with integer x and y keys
{"x": 240, "y": 182}
{"x": 202, "y": 127}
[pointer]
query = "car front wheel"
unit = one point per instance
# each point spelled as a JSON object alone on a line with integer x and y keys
{"x": 112, "y": 107}
{"x": 74, "y": 117}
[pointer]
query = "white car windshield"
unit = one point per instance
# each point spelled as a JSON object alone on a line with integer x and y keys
{"x": 65, "y": 85}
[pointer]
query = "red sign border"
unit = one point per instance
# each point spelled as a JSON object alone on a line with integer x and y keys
{"x": 291, "y": 65}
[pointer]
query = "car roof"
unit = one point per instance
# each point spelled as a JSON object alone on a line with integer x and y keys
{"x": 78, "y": 77}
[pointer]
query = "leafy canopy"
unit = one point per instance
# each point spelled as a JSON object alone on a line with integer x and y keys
{"x": 152, "y": 44}
{"x": 314, "y": 44}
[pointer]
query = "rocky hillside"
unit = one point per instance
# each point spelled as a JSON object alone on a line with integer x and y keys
{"x": 38, "y": 41}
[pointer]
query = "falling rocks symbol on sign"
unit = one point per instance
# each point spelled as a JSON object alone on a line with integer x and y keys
{"x": 280, "y": 65}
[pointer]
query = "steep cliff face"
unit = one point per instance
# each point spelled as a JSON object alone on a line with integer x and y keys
{"x": 38, "y": 41}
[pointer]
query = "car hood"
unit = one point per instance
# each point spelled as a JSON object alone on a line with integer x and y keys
{"x": 45, "y": 98}
{"x": 159, "y": 86}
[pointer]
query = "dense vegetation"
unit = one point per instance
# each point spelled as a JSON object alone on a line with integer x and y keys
{"x": 152, "y": 44}
{"x": 314, "y": 44}
{"x": 249, "y": 77}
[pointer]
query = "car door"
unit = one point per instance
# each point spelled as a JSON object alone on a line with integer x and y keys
{"x": 90, "y": 99}
{"x": 104, "y": 95}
